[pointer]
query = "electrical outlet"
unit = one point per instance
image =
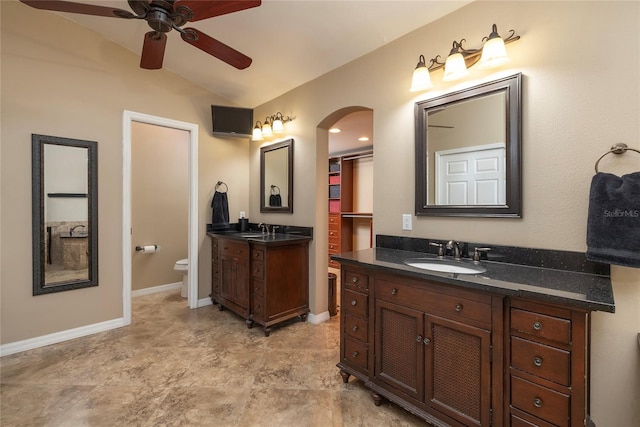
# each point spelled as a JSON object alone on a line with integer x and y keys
{"x": 406, "y": 221}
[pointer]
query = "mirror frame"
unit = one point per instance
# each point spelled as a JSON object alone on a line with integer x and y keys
{"x": 512, "y": 87}
{"x": 263, "y": 151}
{"x": 38, "y": 223}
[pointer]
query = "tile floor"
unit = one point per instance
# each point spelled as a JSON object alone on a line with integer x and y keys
{"x": 178, "y": 367}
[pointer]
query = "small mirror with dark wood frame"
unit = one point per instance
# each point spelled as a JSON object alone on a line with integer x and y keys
{"x": 65, "y": 213}
{"x": 276, "y": 177}
{"x": 468, "y": 151}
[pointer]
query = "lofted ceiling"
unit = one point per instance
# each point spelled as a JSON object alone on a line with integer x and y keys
{"x": 290, "y": 42}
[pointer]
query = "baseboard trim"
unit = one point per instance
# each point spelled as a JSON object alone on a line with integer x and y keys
{"x": 204, "y": 302}
{"x": 316, "y": 319}
{"x": 156, "y": 289}
{"x": 57, "y": 337}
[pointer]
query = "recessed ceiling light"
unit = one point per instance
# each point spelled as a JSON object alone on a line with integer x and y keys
{"x": 335, "y": 130}
{"x": 363, "y": 138}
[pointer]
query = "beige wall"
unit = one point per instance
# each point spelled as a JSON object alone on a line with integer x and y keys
{"x": 581, "y": 91}
{"x": 63, "y": 80}
{"x": 159, "y": 203}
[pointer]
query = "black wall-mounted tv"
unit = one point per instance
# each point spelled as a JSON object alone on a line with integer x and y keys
{"x": 232, "y": 121}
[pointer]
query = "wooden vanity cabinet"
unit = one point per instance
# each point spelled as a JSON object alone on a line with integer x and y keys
{"x": 266, "y": 283}
{"x": 460, "y": 357}
{"x": 433, "y": 347}
{"x": 547, "y": 359}
{"x": 354, "y": 324}
{"x": 234, "y": 276}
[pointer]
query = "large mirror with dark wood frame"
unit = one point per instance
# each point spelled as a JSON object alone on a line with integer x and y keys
{"x": 468, "y": 151}
{"x": 276, "y": 177}
{"x": 65, "y": 214}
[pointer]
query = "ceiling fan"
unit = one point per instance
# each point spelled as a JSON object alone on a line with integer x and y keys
{"x": 164, "y": 16}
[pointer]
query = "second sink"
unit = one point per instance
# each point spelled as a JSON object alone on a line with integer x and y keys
{"x": 445, "y": 266}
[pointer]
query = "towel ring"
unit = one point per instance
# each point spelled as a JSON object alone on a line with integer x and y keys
{"x": 616, "y": 149}
{"x": 226, "y": 188}
{"x": 274, "y": 188}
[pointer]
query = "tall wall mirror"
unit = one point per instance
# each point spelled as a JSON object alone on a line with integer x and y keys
{"x": 468, "y": 151}
{"x": 276, "y": 177}
{"x": 65, "y": 214}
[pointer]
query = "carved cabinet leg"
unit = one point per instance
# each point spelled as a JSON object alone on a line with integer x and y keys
{"x": 267, "y": 331}
{"x": 377, "y": 399}
{"x": 345, "y": 376}
{"x": 249, "y": 323}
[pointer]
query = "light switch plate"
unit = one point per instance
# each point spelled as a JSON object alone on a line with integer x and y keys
{"x": 406, "y": 221}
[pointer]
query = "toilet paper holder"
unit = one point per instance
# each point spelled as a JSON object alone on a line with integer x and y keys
{"x": 147, "y": 248}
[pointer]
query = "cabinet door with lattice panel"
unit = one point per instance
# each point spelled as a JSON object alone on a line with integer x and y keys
{"x": 458, "y": 370}
{"x": 399, "y": 349}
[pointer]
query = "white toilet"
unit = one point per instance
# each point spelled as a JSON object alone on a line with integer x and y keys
{"x": 183, "y": 267}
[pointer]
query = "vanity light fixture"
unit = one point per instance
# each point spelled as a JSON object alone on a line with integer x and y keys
{"x": 492, "y": 54}
{"x": 272, "y": 125}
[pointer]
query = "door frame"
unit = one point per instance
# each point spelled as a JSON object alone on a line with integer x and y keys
{"x": 127, "y": 119}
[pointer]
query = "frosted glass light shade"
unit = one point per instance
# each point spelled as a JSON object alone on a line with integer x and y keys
{"x": 277, "y": 126}
{"x": 266, "y": 129}
{"x": 421, "y": 80}
{"x": 454, "y": 68}
{"x": 494, "y": 53}
{"x": 257, "y": 134}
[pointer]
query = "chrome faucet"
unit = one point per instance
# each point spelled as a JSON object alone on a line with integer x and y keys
{"x": 452, "y": 244}
{"x": 74, "y": 228}
{"x": 264, "y": 227}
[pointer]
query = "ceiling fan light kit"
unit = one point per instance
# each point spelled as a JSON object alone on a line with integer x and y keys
{"x": 163, "y": 16}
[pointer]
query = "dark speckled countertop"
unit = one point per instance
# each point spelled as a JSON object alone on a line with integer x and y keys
{"x": 257, "y": 237}
{"x": 572, "y": 288}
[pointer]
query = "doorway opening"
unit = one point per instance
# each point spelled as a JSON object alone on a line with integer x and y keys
{"x": 192, "y": 287}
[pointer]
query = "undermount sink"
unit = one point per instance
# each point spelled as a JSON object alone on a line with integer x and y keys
{"x": 251, "y": 235}
{"x": 445, "y": 265}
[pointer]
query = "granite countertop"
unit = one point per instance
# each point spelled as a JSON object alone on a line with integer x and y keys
{"x": 257, "y": 237}
{"x": 575, "y": 289}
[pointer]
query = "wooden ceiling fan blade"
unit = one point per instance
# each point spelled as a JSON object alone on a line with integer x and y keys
{"x": 208, "y": 9}
{"x": 153, "y": 50}
{"x": 85, "y": 9}
{"x": 216, "y": 48}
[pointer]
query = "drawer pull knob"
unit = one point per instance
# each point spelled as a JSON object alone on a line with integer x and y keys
{"x": 458, "y": 307}
{"x": 355, "y": 354}
{"x": 537, "y": 325}
{"x": 537, "y": 402}
{"x": 537, "y": 361}
{"x": 418, "y": 338}
{"x": 354, "y": 279}
{"x": 426, "y": 341}
{"x": 353, "y": 302}
{"x": 394, "y": 291}
{"x": 355, "y": 328}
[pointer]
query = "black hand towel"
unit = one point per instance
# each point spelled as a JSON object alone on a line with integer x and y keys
{"x": 613, "y": 225}
{"x": 220, "y": 214}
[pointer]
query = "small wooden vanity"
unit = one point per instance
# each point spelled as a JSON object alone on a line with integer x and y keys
{"x": 459, "y": 353}
{"x": 265, "y": 279}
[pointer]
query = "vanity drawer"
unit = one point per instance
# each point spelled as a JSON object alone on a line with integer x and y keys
{"x": 455, "y": 306}
{"x": 541, "y": 326}
{"x": 334, "y": 219}
{"x": 541, "y": 360}
{"x": 334, "y": 232}
{"x": 355, "y": 353}
{"x": 257, "y": 287}
{"x": 355, "y": 327}
{"x": 334, "y": 247}
{"x": 355, "y": 303}
{"x": 257, "y": 255}
{"x": 539, "y": 401}
{"x": 236, "y": 249}
{"x": 257, "y": 270}
{"x": 357, "y": 281}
